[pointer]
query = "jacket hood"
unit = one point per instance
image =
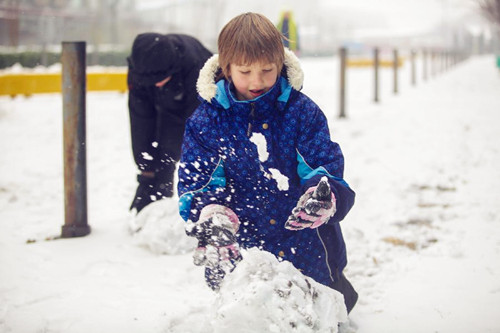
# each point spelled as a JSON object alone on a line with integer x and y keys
{"x": 154, "y": 57}
{"x": 207, "y": 87}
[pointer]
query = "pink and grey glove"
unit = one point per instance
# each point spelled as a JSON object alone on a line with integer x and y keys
{"x": 314, "y": 208}
{"x": 216, "y": 233}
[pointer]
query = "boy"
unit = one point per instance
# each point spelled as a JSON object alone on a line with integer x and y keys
{"x": 258, "y": 168}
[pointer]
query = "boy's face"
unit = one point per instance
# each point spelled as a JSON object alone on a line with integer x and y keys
{"x": 253, "y": 80}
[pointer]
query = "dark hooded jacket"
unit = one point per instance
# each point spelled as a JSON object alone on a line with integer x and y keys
{"x": 158, "y": 115}
{"x": 221, "y": 165}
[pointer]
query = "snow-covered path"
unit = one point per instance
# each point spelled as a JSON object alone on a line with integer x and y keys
{"x": 423, "y": 238}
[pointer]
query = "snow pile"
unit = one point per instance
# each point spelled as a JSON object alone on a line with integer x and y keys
{"x": 159, "y": 228}
{"x": 265, "y": 295}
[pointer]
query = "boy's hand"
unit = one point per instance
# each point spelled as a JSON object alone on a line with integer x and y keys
{"x": 314, "y": 208}
{"x": 216, "y": 233}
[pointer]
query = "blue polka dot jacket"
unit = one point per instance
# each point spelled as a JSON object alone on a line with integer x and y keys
{"x": 221, "y": 165}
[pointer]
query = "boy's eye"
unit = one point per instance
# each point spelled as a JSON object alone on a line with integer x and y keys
{"x": 267, "y": 70}
{"x": 244, "y": 72}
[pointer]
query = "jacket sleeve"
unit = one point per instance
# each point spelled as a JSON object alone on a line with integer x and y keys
{"x": 143, "y": 127}
{"x": 192, "y": 100}
{"x": 318, "y": 156}
{"x": 194, "y": 56}
{"x": 202, "y": 179}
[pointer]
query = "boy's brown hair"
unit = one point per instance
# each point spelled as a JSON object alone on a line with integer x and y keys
{"x": 250, "y": 38}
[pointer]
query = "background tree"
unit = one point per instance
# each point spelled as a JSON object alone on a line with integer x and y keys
{"x": 491, "y": 10}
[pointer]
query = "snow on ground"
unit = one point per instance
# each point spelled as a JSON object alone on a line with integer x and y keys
{"x": 423, "y": 237}
{"x": 265, "y": 295}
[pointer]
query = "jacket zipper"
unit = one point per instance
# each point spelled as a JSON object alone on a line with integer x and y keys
{"x": 252, "y": 115}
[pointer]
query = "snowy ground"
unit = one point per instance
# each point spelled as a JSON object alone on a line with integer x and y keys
{"x": 423, "y": 238}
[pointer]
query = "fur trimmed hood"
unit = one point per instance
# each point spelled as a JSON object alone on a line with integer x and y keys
{"x": 207, "y": 87}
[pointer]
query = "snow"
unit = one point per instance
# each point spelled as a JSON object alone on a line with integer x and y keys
{"x": 423, "y": 238}
{"x": 259, "y": 140}
{"x": 281, "y": 179}
{"x": 272, "y": 296}
{"x": 148, "y": 229}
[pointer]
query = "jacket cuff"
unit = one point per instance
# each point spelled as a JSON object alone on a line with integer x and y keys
{"x": 212, "y": 210}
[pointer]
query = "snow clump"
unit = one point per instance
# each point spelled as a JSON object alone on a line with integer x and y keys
{"x": 263, "y": 294}
{"x": 159, "y": 228}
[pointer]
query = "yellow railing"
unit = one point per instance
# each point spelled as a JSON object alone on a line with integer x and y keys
{"x": 35, "y": 83}
{"x": 366, "y": 62}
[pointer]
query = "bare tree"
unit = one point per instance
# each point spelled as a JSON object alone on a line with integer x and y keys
{"x": 491, "y": 10}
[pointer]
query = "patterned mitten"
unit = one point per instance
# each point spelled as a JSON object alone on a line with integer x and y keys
{"x": 314, "y": 208}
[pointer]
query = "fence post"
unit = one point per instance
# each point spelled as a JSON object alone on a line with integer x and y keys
{"x": 433, "y": 63}
{"x": 376, "y": 65}
{"x": 425, "y": 54}
{"x": 74, "y": 140}
{"x": 395, "y": 67}
{"x": 413, "y": 68}
{"x": 343, "y": 56}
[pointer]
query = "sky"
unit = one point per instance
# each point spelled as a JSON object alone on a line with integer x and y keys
{"x": 404, "y": 14}
{"x": 326, "y": 22}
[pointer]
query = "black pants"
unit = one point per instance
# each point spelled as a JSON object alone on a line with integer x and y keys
{"x": 156, "y": 142}
{"x": 343, "y": 286}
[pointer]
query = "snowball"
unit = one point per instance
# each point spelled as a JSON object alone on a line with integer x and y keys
{"x": 265, "y": 295}
{"x": 159, "y": 228}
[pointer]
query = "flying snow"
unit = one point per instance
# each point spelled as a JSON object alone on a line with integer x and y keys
{"x": 260, "y": 141}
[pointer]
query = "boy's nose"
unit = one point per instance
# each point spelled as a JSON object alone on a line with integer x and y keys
{"x": 257, "y": 81}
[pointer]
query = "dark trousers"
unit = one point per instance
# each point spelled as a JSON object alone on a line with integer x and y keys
{"x": 156, "y": 142}
{"x": 343, "y": 286}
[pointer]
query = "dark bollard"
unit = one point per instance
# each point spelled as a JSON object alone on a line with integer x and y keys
{"x": 75, "y": 168}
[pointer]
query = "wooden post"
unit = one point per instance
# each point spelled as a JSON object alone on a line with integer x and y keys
{"x": 376, "y": 65}
{"x": 342, "y": 99}
{"x": 75, "y": 166}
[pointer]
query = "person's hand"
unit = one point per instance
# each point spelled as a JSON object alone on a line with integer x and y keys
{"x": 151, "y": 188}
{"x": 216, "y": 233}
{"x": 145, "y": 193}
{"x": 314, "y": 208}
